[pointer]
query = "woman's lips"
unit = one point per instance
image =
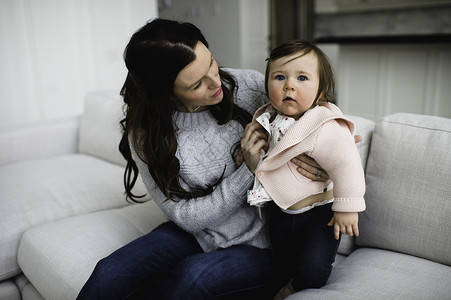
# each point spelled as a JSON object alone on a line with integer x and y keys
{"x": 218, "y": 92}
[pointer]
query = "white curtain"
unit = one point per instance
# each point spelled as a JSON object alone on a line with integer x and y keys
{"x": 53, "y": 51}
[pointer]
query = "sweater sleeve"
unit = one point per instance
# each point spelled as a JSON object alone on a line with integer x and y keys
{"x": 197, "y": 214}
{"x": 251, "y": 89}
{"x": 336, "y": 152}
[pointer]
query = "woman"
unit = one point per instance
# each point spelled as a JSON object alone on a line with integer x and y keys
{"x": 184, "y": 119}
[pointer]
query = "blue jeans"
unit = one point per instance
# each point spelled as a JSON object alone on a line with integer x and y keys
{"x": 168, "y": 263}
{"x": 305, "y": 246}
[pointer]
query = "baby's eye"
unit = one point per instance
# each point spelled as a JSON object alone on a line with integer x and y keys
{"x": 302, "y": 78}
{"x": 280, "y": 77}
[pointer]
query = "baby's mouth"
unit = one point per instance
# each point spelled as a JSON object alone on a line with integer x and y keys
{"x": 288, "y": 99}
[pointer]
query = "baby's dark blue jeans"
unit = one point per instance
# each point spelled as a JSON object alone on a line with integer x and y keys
{"x": 304, "y": 245}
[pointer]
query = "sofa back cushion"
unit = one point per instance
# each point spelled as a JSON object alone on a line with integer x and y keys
{"x": 408, "y": 194}
{"x": 364, "y": 128}
{"x": 47, "y": 138}
{"x": 100, "y": 131}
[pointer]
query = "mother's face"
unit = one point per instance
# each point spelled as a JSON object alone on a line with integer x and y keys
{"x": 198, "y": 84}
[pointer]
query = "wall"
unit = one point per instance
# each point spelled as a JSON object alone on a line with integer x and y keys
{"x": 406, "y": 21}
{"x": 376, "y": 78}
{"x": 236, "y": 30}
{"x": 53, "y": 51}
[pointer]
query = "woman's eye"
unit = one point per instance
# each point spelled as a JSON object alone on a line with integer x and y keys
{"x": 302, "y": 78}
{"x": 198, "y": 85}
{"x": 280, "y": 77}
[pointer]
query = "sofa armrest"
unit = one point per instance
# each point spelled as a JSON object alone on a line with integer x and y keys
{"x": 39, "y": 140}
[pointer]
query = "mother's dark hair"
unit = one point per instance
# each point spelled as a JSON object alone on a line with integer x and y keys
{"x": 154, "y": 56}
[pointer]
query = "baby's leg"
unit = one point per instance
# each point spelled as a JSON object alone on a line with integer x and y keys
{"x": 315, "y": 249}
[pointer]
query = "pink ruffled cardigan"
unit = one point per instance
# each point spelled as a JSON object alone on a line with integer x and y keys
{"x": 324, "y": 134}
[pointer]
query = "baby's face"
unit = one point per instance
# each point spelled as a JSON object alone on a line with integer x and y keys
{"x": 293, "y": 83}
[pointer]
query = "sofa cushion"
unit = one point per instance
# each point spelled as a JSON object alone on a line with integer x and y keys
{"x": 408, "y": 187}
{"x": 100, "y": 131}
{"x": 67, "y": 251}
{"x": 373, "y": 274}
{"x": 47, "y": 138}
{"x": 39, "y": 191}
{"x": 30, "y": 293}
{"x": 364, "y": 127}
{"x": 9, "y": 291}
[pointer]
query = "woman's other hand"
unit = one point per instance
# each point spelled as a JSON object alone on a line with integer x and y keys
{"x": 309, "y": 168}
{"x": 239, "y": 159}
{"x": 358, "y": 138}
{"x": 253, "y": 141}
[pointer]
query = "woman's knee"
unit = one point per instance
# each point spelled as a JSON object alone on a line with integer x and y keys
{"x": 225, "y": 272}
{"x": 103, "y": 280}
{"x": 194, "y": 276}
{"x": 187, "y": 283}
{"x": 108, "y": 270}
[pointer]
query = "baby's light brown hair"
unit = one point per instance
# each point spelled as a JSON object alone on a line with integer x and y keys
{"x": 326, "y": 88}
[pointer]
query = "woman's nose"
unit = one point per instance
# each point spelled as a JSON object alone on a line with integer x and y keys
{"x": 215, "y": 79}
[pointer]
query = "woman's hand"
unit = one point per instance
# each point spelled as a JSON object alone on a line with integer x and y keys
{"x": 345, "y": 223}
{"x": 239, "y": 159}
{"x": 253, "y": 141}
{"x": 358, "y": 138}
{"x": 309, "y": 168}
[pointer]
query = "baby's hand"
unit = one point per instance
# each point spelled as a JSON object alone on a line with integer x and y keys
{"x": 346, "y": 223}
{"x": 254, "y": 140}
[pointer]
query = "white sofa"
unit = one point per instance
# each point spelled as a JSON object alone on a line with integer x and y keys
{"x": 62, "y": 207}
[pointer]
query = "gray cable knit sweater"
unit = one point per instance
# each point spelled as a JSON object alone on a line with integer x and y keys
{"x": 223, "y": 218}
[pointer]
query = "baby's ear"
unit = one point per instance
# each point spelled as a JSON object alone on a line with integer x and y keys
{"x": 318, "y": 99}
